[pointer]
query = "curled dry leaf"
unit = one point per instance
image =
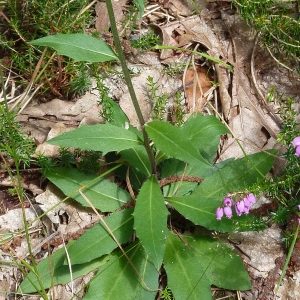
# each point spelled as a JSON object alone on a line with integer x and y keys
{"x": 249, "y": 119}
{"x": 195, "y": 94}
{"x": 191, "y": 29}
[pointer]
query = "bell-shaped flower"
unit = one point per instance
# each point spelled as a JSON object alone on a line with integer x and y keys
{"x": 239, "y": 207}
{"x": 251, "y": 198}
{"x": 219, "y": 213}
{"x": 297, "y": 152}
{"x": 296, "y": 141}
{"x": 228, "y": 211}
{"x": 247, "y": 205}
{"x": 227, "y": 201}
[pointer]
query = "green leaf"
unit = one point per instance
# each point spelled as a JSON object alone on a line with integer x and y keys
{"x": 186, "y": 276}
{"x": 202, "y": 211}
{"x": 96, "y": 241}
{"x": 118, "y": 280}
{"x": 174, "y": 143}
{"x": 119, "y": 118}
{"x": 219, "y": 263}
{"x": 104, "y": 195}
{"x": 79, "y": 46}
{"x": 204, "y": 133}
{"x": 141, "y": 5}
{"x": 53, "y": 268}
{"x": 237, "y": 174}
{"x": 171, "y": 167}
{"x": 138, "y": 158}
{"x": 200, "y": 207}
{"x": 99, "y": 137}
{"x": 150, "y": 220}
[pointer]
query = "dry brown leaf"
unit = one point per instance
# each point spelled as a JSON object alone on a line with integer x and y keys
{"x": 191, "y": 29}
{"x": 180, "y": 8}
{"x": 102, "y": 20}
{"x": 38, "y": 119}
{"x": 248, "y": 119}
{"x": 194, "y": 95}
{"x": 242, "y": 109}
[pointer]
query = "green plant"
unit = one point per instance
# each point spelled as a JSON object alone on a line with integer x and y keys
{"x": 16, "y": 150}
{"x": 166, "y": 294}
{"x": 27, "y": 20}
{"x": 173, "y": 69}
{"x": 176, "y": 173}
{"x": 278, "y": 25}
{"x": 146, "y": 41}
{"x": 172, "y": 172}
{"x": 14, "y": 143}
{"x": 283, "y": 189}
{"x": 177, "y": 113}
{"x": 159, "y": 102}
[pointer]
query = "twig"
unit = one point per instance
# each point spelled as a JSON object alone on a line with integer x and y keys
{"x": 176, "y": 178}
{"x": 129, "y": 186}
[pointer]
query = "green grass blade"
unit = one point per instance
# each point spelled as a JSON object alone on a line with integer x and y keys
{"x": 53, "y": 268}
{"x": 96, "y": 241}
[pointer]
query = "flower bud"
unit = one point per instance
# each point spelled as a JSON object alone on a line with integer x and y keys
{"x": 219, "y": 213}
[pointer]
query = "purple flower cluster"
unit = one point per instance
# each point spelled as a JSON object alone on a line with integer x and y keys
{"x": 296, "y": 143}
{"x": 241, "y": 206}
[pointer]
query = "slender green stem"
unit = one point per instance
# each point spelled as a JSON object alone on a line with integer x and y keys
{"x": 229, "y": 67}
{"x": 129, "y": 83}
{"x": 17, "y": 185}
{"x": 287, "y": 259}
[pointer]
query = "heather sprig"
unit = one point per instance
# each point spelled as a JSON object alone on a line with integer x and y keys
{"x": 241, "y": 206}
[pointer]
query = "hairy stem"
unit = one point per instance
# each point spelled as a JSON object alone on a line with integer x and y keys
{"x": 129, "y": 82}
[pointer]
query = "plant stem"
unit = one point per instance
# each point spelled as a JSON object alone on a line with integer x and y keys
{"x": 287, "y": 259}
{"x": 129, "y": 83}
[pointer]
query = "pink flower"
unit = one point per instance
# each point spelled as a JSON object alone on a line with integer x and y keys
{"x": 251, "y": 198}
{"x": 228, "y": 212}
{"x": 297, "y": 152}
{"x": 219, "y": 213}
{"x": 296, "y": 141}
{"x": 239, "y": 207}
{"x": 247, "y": 205}
{"x": 227, "y": 201}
